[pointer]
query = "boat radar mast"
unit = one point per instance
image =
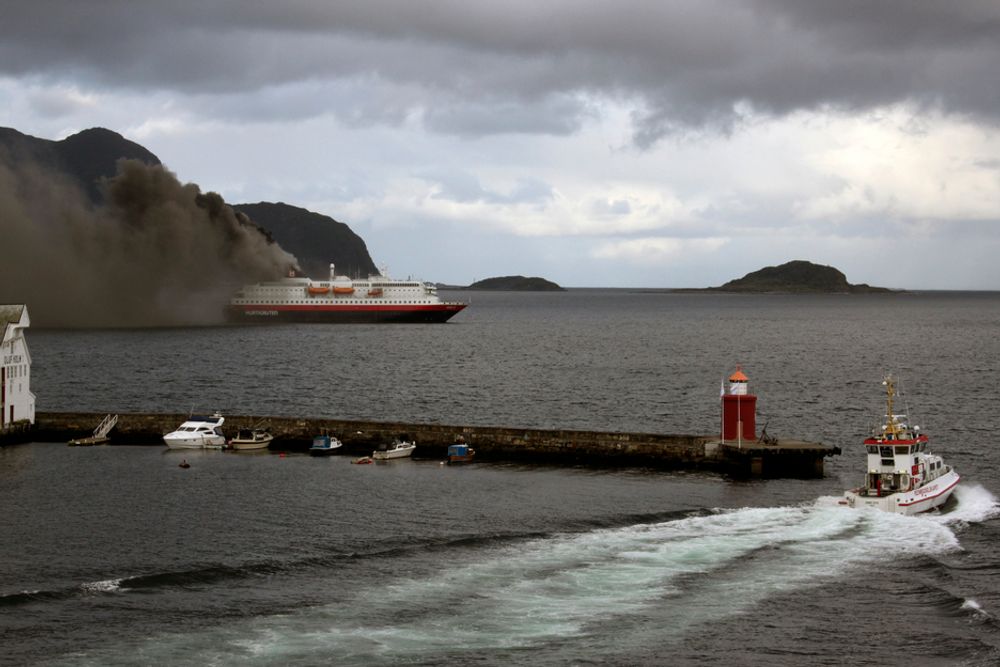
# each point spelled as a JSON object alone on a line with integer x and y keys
{"x": 894, "y": 429}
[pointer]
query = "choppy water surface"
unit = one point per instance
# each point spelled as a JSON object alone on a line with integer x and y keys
{"x": 115, "y": 555}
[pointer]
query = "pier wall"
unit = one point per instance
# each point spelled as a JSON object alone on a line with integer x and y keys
{"x": 491, "y": 443}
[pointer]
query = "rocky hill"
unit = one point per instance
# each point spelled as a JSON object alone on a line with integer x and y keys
{"x": 516, "y": 283}
{"x": 86, "y": 156}
{"x": 316, "y": 240}
{"x": 794, "y": 277}
{"x": 91, "y": 156}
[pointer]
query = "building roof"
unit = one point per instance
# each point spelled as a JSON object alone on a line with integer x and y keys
{"x": 10, "y": 315}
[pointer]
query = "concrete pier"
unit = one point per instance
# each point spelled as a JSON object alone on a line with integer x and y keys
{"x": 776, "y": 458}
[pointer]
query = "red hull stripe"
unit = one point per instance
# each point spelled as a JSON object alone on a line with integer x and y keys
{"x": 924, "y": 500}
{"x": 312, "y": 308}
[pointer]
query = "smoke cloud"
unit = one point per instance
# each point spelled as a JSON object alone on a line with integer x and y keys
{"x": 155, "y": 253}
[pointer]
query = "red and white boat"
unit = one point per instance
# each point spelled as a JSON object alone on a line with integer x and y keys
{"x": 341, "y": 299}
{"x": 903, "y": 476}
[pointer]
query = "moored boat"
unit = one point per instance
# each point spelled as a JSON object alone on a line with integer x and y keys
{"x": 197, "y": 432}
{"x": 460, "y": 452}
{"x": 323, "y": 445}
{"x": 397, "y": 450}
{"x": 251, "y": 438}
{"x": 903, "y": 476}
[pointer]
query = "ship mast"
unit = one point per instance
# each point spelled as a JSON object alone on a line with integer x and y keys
{"x": 893, "y": 428}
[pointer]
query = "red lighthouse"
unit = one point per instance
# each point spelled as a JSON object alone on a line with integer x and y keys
{"x": 739, "y": 409}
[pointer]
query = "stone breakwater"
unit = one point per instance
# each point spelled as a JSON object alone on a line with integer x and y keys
{"x": 781, "y": 458}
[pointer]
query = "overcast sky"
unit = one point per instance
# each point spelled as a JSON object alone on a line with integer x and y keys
{"x": 621, "y": 144}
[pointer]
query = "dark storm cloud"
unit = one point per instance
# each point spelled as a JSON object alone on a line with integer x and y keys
{"x": 683, "y": 65}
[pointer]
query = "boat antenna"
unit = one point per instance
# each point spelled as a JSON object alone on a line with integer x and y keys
{"x": 891, "y": 427}
{"x": 906, "y": 405}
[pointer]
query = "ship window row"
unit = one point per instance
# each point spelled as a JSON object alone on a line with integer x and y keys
{"x": 899, "y": 450}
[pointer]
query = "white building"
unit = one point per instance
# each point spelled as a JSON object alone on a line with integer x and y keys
{"x": 17, "y": 403}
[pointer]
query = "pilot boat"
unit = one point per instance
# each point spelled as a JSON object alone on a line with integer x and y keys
{"x": 903, "y": 476}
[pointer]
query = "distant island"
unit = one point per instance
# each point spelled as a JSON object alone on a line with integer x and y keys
{"x": 516, "y": 283}
{"x": 797, "y": 277}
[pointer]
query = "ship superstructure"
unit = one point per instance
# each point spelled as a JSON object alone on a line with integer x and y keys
{"x": 377, "y": 298}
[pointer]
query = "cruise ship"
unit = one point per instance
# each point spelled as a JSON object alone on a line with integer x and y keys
{"x": 341, "y": 299}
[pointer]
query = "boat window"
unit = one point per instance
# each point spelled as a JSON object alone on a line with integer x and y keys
{"x": 872, "y": 449}
{"x": 886, "y": 452}
{"x": 888, "y": 462}
{"x": 902, "y": 450}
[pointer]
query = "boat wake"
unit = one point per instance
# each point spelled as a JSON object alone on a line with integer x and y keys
{"x": 975, "y": 505}
{"x": 651, "y": 582}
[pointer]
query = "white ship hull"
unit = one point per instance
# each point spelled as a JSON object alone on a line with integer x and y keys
{"x": 244, "y": 446}
{"x": 193, "y": 443}
{"x": 922, "y": 499}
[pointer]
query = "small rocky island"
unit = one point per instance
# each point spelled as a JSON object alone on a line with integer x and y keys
{"x": 797, "y": 277}
{"x": 516, "y": 283}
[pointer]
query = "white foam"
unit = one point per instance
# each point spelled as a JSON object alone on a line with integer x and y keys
{"x": 976, "y": 610}
{"x": 106, "y": 586}
{"x": 556, "y": 587}
{"x": 683, "y": 572}
{"x": 975, "y": 505}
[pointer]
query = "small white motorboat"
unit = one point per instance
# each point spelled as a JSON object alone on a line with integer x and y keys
{"x": 904, "y": 477}
{"x": 399, "y": 449}
{"x": 197, "y": 432}
{"x": 251, "y": 438}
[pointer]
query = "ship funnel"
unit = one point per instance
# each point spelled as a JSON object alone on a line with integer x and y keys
{"x": 332, "y": 273}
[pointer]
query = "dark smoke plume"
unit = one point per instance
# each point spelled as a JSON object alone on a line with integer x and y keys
{"x": 155, "y": 253}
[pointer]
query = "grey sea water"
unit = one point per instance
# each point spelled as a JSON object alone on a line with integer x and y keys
{"x": 115, "y": 555}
